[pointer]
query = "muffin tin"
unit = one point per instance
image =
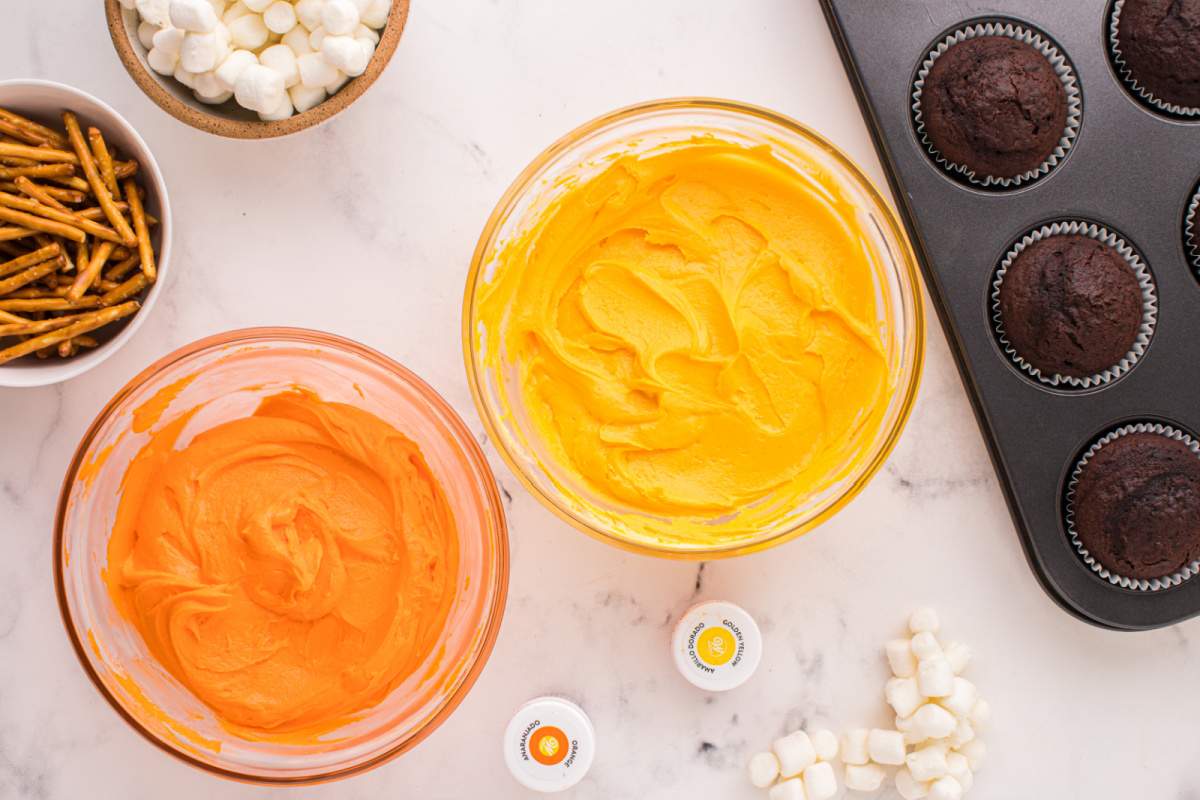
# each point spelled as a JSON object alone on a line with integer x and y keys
{"x": 1129, "y": 171}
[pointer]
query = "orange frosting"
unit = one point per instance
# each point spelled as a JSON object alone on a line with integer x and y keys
{"x": 289, "y": 568}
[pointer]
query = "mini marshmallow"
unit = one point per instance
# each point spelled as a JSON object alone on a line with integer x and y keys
{"x": 146, "y": 33}
{"x": 231, "y": 68}
{"x": 218, "y": 7}
{"x": 249, "y": 32}
{"x": 974, "y": 751}
{"x": 885, "y": 747}
{"x": 946, "y": 789}
{"x": 900, "y": 657}
{"x": 959, "y": 655}
{"x": 362, "y": 32}
{"x": 931, "y": 721}
{"x": 961, "y": 699}
{"x": 340, "y": 80}
{"x": 215, "y": 100}
{"x": 304, "y": 97}
{"x": 128, "y": 4}
{"x": 361, "y": 5}
{"x": 162, "y": 61}
{"x": 909, "y": 787}
{"x": 864, "y": 777}
{"x": 377, "y": 13}
{"x": 169, "y": 40}
{"x": 962, "y": 733}
{"x": 981, "y": 713}
{"x": 156, "y": 12}
{"x": 795, "y": 752}
{"x": 188, "y": 79}
{"x": 911, "y": 734}
{"x": 235, "y": 11}
{"x": 199, "y": 52}
{"x": 280, "y": 17}
{"x": 194, "y": 16}
{"x": 787, "y": 790}
{"x": 925, "y": 645}
{"x": 260, "y": 89}
{"x": 280, "y": 58}
{"x": 928, "y": 763}
{"x": 934, "y": 677}
{"x": 903, "y": 695}
{"x": 208, "y": 88}
{"x": 297, "y": 40}
{"x": 282, "y": 111}
{"x": 257, "y": 6}
{"x": 315, "y": 71}
{"x": 958, "y": 768}
{"x": 854, "y": 746}
{"x": 316, "y": 38}
{"x": 825, "y": 744}
{"x": 819, "y": 781}
{"x": 308, "y": 13}
{"x": 346, "y": 53}
{"x": 924, "y": 619}
{"x": 339, "y": 17}
{"x": 764, "y": 769}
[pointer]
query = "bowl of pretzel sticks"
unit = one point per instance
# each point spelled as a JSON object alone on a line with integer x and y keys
{"x": 85, "y": 232}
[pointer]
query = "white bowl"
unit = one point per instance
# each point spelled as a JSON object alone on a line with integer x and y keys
{"x": 44, "y": 101}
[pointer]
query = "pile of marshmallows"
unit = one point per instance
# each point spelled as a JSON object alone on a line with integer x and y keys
{"x": 275, "y": 57}
{"x": 937, "y": 712}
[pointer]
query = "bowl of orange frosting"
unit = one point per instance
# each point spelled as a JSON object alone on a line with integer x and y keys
{"x": 281, "y": 556}
{"x": 693, "y": 328}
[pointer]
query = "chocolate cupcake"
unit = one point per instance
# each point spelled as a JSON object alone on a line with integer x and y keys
{"x": 1133, "y": 506}
{"x": 1156, "y": 47}
{"x": 1072, "y": 303}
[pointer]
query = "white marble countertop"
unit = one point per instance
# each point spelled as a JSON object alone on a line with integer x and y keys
{"x": 396, "y": 190}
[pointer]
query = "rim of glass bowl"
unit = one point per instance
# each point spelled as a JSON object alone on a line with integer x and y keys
{"x": 910, "y": 309}
{"x": 493, "y": 608}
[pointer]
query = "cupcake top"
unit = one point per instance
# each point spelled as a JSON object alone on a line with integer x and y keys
{"x": 1071, "y": 305}
{"x": 1137, "y": 506}
{"x": 1160, "y": 45}
{"x": 994, "y": 105}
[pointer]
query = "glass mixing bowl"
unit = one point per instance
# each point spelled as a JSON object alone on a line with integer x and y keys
{"x": 234, "y": 371}
{"x": 584, "y": 153}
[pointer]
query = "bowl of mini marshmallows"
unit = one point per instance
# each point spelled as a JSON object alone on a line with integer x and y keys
{"x": 255, "y": 69}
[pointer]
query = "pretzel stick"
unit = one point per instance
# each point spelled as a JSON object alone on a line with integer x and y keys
{"x": 120, "y": 225}
{"x": 38, "y": 171}
{"x": 49, "y": 134}
{"x": 67, "y": 217}
{"x": 85, "y": 277}
{"x": 8, "y": 233}
{"x": 30, "y": 275}
{"x": 125, "y": 290}
{"x": 57, "y": 192}
{"x": 123, "y": 268}
{"x": 104, "y": 161}
{"x": 125, "y": 169}
{"x": 35, "y": 192}
{"x": 48, "y": 304}
{"x": 145, "y": 249}
{"x": 73, "y": 182}
{"x": 40, "y": 155}
{"x": 35, "y": 223}
{"x": 88, "y": 323}
{"x": 12, "y": 318}
{"x": 95, "y": 213}
{"x": 29, "y": 259}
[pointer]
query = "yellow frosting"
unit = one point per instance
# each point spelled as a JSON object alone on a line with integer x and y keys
{"x": 695, "y": 329}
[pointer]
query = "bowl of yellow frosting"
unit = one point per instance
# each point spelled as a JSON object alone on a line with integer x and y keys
{"x": 281, "y": 556}
{"x": 693, "y": 328}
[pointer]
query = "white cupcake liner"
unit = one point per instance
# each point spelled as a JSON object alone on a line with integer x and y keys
{"x": 1191, "y": 230}
{"x": 1061, "y": 67}
{"x": 1136, "y": 584}
{"x": 1126, "y": 75}
{"x": 1145, "y": 281}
